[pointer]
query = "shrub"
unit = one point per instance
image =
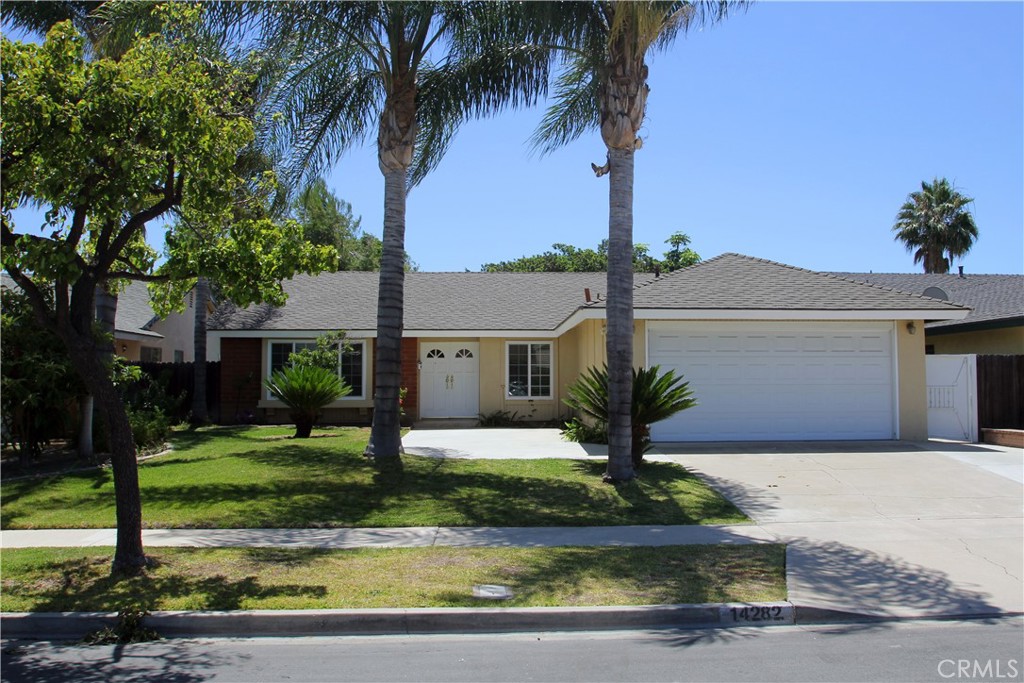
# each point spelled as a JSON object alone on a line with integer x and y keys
{"x": 655, "y": 397}
{"x": 306, "y": 389}
{"x": 150, "y": 427}
{"x": 500, "y": 418}
{"x": 578, "y": 431}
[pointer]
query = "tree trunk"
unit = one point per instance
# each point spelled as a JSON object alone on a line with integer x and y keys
{"x": 85, "y": 413}
{"x": 91, "y": 361}
{"x": 385, "y": 435}
{"x": 202, "y": 296}
{"x": 396, "y": 137}
{"x": 619, "y": 337}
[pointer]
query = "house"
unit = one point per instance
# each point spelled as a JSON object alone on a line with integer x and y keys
{"x": 995, "y": 324}
{"x": 771, "y": 351}
{"x": 141, "y": 335}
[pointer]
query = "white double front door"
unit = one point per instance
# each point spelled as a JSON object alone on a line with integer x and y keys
{"x": 449, "y": 379}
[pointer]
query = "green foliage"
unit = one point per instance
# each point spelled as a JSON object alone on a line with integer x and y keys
{"x": 325, "y": 355}
{"x": 500, "y": 418}
{"x": 38, "y": 385}
{"x": 935, "y": 222}
{"x": 129, "y": 629}
{"x": 109, "y": 145}
{"x": 306, "y": 389}
{"x": 569, "y": 259}
{"x": 655, "y": 398}
{"x": 578, "y": 431}
{"x": 328, "y": 221}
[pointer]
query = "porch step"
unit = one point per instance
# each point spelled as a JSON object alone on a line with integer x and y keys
{"x": 446, "y": 423}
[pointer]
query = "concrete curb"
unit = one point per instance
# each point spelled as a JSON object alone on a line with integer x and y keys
{"x": 75, "y": 625}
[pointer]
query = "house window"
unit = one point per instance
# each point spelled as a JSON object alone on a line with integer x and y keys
{"x": 179, "y": 356}
{"x": 529, "y": 370}
{"x": 351, "y": 363}
{"x": 150, "y": 354}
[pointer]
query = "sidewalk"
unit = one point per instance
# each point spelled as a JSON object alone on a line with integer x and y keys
{"x": 399, "y": 537}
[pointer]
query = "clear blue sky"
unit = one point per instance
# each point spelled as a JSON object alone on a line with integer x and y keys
{"x": 791, "y": 132}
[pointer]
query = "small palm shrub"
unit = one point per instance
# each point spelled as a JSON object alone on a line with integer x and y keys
{"x": 306, "y": 389}
{"x": 655, "y": 398}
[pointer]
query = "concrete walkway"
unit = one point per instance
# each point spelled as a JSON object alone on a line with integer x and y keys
{"x": 400, "y": 537}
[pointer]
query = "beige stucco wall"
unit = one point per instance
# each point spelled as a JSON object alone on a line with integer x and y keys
{"x": 911, "y": 382}
{"x": 1008, "y": 340}
{"x": 493, "y": 393}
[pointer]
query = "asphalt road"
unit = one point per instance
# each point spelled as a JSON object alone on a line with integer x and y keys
{"x": 989, "y": 650}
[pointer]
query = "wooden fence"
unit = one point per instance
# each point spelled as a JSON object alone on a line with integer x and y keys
{"x": 1001, "y": 392}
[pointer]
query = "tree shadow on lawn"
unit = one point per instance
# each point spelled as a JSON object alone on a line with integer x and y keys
{"x": 633, "y": 575}
{"x": 322, "y": 487}
{"x": 86, "y": 585}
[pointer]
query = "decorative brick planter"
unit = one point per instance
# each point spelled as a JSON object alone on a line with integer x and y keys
{"x": 1004, "y": 437}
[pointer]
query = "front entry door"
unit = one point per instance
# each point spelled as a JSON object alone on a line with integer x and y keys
{"x": 450, "y": 379}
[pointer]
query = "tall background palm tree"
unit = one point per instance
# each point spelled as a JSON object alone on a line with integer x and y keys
{"x": 603, "y": 85}
{"x": 935, "y": 222}
{"x": 414, "y": 71}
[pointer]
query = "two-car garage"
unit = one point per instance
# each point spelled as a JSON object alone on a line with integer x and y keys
{"x": 793, "y": 380}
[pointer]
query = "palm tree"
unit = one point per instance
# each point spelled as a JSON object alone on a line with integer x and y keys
{"x": 414, "y": 71}
{"x": 935, "y": 222}
{"x": 604, "y": 86}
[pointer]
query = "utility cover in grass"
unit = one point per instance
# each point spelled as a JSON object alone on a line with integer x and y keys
{"x": 491, "y": 592}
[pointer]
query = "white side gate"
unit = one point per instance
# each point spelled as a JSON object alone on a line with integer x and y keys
{"x": 952, "y": 396}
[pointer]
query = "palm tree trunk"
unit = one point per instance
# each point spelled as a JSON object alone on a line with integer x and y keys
{"x": 619, "y": 337}
{"x": 385, "y": 435}
{"x": 199, "y": 413}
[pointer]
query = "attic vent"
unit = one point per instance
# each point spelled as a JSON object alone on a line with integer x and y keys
{"x": 936, "y": 293}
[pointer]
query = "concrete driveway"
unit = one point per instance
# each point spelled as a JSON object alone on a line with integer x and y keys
{"x": 890, "y": 529}
{"x": 882, "y": 528}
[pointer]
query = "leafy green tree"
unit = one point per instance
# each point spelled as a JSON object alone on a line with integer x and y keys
{"x": 327, "y": 220}
{"x": 680, "y": 256}
{"x": 569, "y": 259}
{"x": 934, "y": 222}
{"x": 409, "y": 73}
{"x": 654, "y": 397}
{"x": 109, "y": 146}
{"x": 604, "y": 86}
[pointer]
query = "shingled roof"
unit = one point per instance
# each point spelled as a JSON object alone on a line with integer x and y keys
{"x": 433, "y": 302}
{"x": 994, "y": 300}
{"x": 541, "y": 302}
{"x": 743, "y": 283}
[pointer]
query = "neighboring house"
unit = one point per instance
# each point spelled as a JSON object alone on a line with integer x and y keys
{"x": 139, "y": 334}
{"x": 771, "y": 351}
{"x": 995, "y": 324}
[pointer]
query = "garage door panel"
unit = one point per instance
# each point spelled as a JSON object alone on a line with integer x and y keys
{"x": 777, "y": 381}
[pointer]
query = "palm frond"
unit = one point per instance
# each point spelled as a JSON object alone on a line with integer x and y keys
{"x": 575, "y": 108}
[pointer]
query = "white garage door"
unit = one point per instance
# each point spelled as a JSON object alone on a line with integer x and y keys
{"x": 778, "y": 381}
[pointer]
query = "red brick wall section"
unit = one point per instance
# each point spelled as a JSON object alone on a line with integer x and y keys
{"x": 410, "y": 376}
{"x": 240, "y": 378}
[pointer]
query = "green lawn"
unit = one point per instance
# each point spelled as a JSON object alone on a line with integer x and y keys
{"x": 77, "y": 579}
{"x": 255, "y": 477}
